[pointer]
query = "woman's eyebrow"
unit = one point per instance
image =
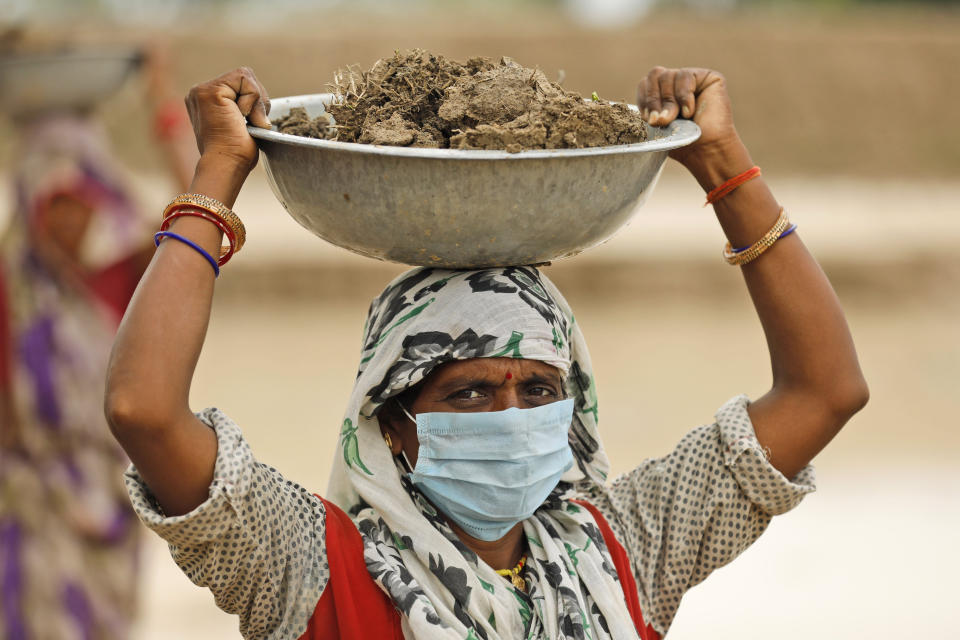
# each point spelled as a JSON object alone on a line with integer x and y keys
{"x": 461, "y": 382}
{"x": 469, "y": 381}
{"x": 538, "y": 378}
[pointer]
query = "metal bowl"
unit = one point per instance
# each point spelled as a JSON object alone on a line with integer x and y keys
{"x": 458, "y": 208}
{"x": 32, "y": 84}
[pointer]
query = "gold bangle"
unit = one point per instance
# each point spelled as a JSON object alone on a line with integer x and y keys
{"x": 226, "y": 252}
{"x": 761, "y": 245}
{"x": 214, "y": 208}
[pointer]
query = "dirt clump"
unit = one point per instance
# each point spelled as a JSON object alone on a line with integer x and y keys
{"x": 298, "y": 123}
{"x": 418, "y": 99}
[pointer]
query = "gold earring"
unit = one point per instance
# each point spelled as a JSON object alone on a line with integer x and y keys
{"x": 386, "y": 438}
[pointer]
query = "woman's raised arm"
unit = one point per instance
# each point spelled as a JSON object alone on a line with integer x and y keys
{"x": 817, "y": 382}
{"x": 161, "y": 335}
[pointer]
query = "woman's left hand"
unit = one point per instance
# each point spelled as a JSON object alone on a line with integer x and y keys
{"x": 698, "y": 94}
{"x": 817, "y": 382}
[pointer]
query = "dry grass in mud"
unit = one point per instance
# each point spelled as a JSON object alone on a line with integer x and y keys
{"x": 419, "y": 99}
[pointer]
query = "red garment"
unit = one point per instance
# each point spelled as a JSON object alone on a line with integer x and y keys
{"x": 622, "y": 563}
{"x": 114, "y": 285}
{"x": 353, "y": 607}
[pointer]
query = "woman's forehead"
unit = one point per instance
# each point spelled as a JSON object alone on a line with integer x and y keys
{"x": 494, "y": 368}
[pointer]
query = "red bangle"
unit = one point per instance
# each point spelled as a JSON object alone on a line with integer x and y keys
{"x": 215, "y": 208}
{"x": 225, "y": 252}
{"x": 731, "y": 184}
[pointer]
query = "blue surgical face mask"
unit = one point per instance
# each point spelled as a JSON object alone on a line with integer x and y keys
{"x": 489, "y": 470}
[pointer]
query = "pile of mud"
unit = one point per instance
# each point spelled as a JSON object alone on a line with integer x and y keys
{"x": 417, "y": 99}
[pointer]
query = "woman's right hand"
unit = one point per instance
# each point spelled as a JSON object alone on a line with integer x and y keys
{"x": 219, "y": 111}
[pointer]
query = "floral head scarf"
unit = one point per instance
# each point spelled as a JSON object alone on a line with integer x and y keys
{"x": 427, "y": 317}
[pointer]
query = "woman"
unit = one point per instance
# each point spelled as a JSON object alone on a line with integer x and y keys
{"x": 69, "y": 262}
{"x": 469, "y": 496}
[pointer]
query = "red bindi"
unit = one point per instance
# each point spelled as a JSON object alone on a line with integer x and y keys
{"x": 509, "y": 375}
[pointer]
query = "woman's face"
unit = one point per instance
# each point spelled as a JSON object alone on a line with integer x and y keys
{"x": 477, "y": 384}
{"x": 62, "y": 225}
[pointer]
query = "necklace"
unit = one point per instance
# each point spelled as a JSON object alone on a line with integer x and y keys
{"x": 514, "y": 574}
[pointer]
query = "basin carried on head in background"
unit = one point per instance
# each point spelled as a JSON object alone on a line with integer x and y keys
{"x": 460, "y": 208}
{"x": 76, "y": 80}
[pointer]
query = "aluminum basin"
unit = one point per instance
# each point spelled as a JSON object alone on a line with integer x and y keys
{"x": 33, "y": 84}
{"x": 459, "y": 208}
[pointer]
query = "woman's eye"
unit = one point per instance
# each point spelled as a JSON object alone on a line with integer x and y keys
{"x": 466, "y": 394}
{"x": 544, "y": 392}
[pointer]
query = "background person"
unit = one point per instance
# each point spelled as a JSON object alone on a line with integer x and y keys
{"x": 70, "y": 259}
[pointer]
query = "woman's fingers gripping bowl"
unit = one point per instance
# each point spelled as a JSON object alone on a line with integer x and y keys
{"x": 252, "y": 99}
{"x": 669, "y": 109}
{"x": 648, "y": 97}
{"x": 220, "y": 109}
{"x": 666, "y": 94}
{"x": 685, "y": 87}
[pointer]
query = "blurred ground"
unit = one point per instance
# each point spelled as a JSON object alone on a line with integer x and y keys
{"x": 850, "y": 114}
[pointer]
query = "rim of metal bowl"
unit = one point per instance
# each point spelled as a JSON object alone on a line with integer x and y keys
{"x": 677, "y": 134}
{"x": 133, "y": 56}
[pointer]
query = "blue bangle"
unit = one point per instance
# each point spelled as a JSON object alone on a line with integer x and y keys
{"x": 792, "y": 228}
{"x": 190, "y": 243}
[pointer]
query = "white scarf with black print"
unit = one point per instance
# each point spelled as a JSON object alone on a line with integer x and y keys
{"x": 422, "y": 319}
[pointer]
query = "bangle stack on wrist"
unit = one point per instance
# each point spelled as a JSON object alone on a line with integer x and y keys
{"x": 740, "y": 257}
{"x": 201, "y": 206}
{"x": 781, "y": 228}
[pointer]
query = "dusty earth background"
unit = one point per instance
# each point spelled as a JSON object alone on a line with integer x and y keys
{"x": 852, "y": 116}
